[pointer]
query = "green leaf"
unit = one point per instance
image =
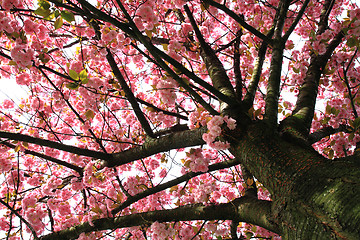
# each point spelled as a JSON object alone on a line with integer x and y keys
{"x": 204, "y": 6}
{"x": 85, "y": 80}
{"x": 325, "y": 120}
{"x": 73, "y": 74}
{"x": 58, "y": 23}
{"x": 72, "y": 86}
{"x": 57, "y": 13}
{"x": 312, "y": 35}
{"x": 296, "y": 70}
{"x": 186, "y": 81}
{"x": 15, "y": 34}
{"x": 23, "y": 36}
{"x": 43, "y": 58}
{"x": 290, "y": 46}
{"x": 351, "y": 136}
{"x": 12, "y": 63}
{"x": 42, "y": 12}
{"x": 356, "y": 123}
{"x": 83, "y": 76}
{"x": 352, "y": 42}
{"x": 257, "y": 112}
{"x": 44, "y": 4}
{"x": 50, "y": 16}
{"x": 335, "y": 111}
{"x": 328, "y": 109}
{"x": 96, "y": 209}
{"x": 248, "y": 235}
{"x": 68, "y": 16}
{"x": 165, "y": 46}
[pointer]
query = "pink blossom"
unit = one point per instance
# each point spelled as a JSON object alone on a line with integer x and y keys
{"x": 5, "y": 164}
{"x": 8, "y": 104}
{"x": 22, "y": 56}
{"x": 161, "y": 231}
{"x": 30, "y": 26}
{"x": 214, "y": 131}
{"x": 9, "y": 4}
{"x": 29, "y": 201}
{"x": 198, "y": 162}
{"x": 108, "y": 36}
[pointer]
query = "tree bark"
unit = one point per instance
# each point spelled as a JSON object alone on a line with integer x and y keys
{"x": 313, "y": 197}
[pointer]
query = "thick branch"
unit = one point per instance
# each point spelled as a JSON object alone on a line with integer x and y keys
{"x": 325, "y": 132}
{"x": 296, "y": 21}
{"x": 305, "y": 104}
{"x": 245, "y": 209}
{"x": 273, "y": 88}
{"x": 255, "y": 78}
{"x": 214, "y": 66}
{"x": 152, "y": 146}
{"x": 129, "y": 94}
{"x": 236, "y": 65}
{"x": 239, "y": 19}
{"x": 297, "y": 126}
{"x": 55, "y": 145}
{"x": 324, "y": 16}
{"x": 51, "y": 159}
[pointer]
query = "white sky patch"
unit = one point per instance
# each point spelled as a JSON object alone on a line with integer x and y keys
{"x": 9, "y": 89}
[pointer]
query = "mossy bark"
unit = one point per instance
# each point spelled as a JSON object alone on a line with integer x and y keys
{"x": 313, "y": 197}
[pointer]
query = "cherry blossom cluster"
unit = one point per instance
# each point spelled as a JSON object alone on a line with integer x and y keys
{"x": 198, "y": 163}
{"x": 9, "y": 4}
{"x": 355, "y": 24}
{"x": 147, "y": 18}
{"x": 203, "y": 192}
{"x": 5, "y": 160}
{"x": 167, "y": 92}
{"x": 22, "y": 55}
{"x": 197, "y": 118}
{"x": 214, "y": 131}
{"x": 161, "y": 231}
{"x": 174, "y": 48}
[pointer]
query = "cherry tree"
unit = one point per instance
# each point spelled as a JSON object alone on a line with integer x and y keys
{"x": 174, "y": 119}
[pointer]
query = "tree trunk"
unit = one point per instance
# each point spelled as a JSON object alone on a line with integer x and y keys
{"x": 313, "y": 197}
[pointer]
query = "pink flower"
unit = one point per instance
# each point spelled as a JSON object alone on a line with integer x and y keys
{"x": 214, "y": 131}
{"x": 231, "y": 123}
{"x": 198, "y": 162}
{"x": 30, "y": 26}
{"x": 9, "y": 4}
{"x": 5, "y": 164}
{"x": 108, "y": 36}
{"x": 163, "y": 173}
{"x": 145, "y": 11}
{"x": 22, "y": 56}
{"x": 161, "y": 231}
{"x": 8, "y": 104}
{"x": 29, "y": 201}
{"x": 186, "y": 28}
